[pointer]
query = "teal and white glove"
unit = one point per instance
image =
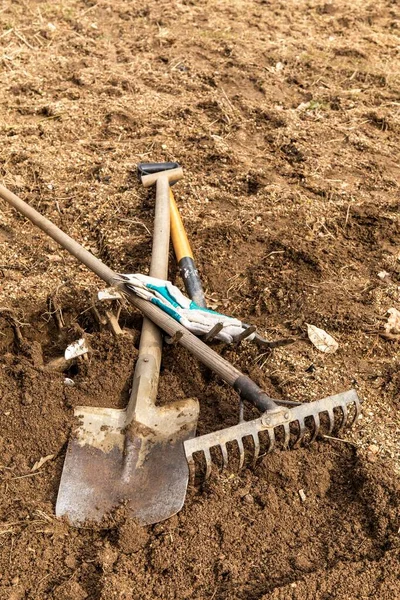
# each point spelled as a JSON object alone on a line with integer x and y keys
{"x": 170, "y": 299}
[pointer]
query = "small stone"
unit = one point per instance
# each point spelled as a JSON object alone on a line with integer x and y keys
{"x": 372, "y": 453}
{"x": 302, "y": 563}
{"x": 54, "y": 258}
{"x": 373, "y": 448}
{"x": 383, "y": 274}
{"x": 248, "y": 498}
{"x": 302, "y": 495}
{"x": 108, "y": 556}
{"x": 15, "y": 580}
{"x": 70, "y": 562}
{"x": 27, "y": 399}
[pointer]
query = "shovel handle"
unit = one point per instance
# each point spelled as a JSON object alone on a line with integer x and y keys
{"x": 247, "y": 389}
{"x": 147, "y": 368}
{"x": 148, "y": 174}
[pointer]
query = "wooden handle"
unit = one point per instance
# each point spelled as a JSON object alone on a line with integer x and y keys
{"x": 184, "y": 256}
{"x": 178, "y": 234}
{"x": 173, "y": 175}
{"x": 147, "y": 368}
{"x": 84, "y": 256}
{"x": 206, "y": 355}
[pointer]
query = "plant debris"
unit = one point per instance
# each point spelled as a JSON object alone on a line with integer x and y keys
{"x": 321, "y": 339}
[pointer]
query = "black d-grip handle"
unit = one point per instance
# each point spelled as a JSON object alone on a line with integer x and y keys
{"x": 151, "y": 168}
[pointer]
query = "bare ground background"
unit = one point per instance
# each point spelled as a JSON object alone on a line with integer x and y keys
{"x": 285, "y": 117}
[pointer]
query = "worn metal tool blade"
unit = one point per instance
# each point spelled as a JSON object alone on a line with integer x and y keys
{"x": 109, "y": 463}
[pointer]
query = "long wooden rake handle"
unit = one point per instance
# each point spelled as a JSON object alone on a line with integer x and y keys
{"x": 247, "y": 389}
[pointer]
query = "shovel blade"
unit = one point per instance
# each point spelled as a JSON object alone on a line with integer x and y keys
{"x": 108, "y": 463}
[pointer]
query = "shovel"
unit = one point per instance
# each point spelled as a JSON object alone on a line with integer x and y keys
{"x": 134, "y": 455}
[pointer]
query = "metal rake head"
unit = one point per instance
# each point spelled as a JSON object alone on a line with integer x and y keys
{"x": 281, "y": 428}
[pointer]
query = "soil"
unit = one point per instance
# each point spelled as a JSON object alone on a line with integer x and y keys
{"x": 285, "y": 117}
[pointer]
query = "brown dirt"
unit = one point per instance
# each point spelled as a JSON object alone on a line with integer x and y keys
{"x": 286, "y": 119}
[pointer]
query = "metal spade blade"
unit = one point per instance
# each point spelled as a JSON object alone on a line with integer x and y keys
{"x": 136, "y": 455}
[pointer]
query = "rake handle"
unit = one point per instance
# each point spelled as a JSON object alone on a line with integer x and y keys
{"x": 247, "y": 389}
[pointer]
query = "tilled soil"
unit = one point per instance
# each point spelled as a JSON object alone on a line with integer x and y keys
{"x": 286, "y": 120}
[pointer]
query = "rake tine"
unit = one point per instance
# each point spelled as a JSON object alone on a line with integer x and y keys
{"x": 241, "y": 453}
{"x": 245, "y": 334}
{"x": 256, "y": 447}
{"x": 192, "y": 467}
{"x": 224, "y": 453}
{"x": 207, "y": 456}
{"x": 302, "y": 432}
{"x": 271, "y": 445}
{"x": 317, "y": 424}
{"x": 210, "y": 335}
{"x": 287, "y": 436}
{"x": 357, "y": 412}
{"x": 331, "y": 416}
{"x": 241, "y": 411}
{"x": 173, "y": 339}
{"x": 344, "y": 420}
